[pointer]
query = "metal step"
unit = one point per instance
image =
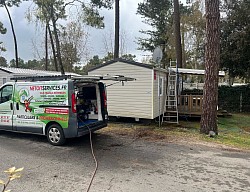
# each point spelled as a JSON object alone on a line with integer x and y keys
{"x": 172, "y": 122}
{"x": 171, "y": 111}
{"x": 170, "y": 116}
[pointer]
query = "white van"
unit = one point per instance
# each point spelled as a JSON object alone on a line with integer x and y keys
{"x": 59, "y": 107}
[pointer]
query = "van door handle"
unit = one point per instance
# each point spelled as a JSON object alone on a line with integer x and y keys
{"x": 17, "y": 106}
{"x": 11, "y": 106}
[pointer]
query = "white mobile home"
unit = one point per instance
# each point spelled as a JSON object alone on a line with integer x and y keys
{"x": 140, "y": 99}
{"x": 7, "y": 72}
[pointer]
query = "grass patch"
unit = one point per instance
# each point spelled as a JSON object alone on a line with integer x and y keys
{"x": 236, "y": 123}
{"x": 233, "y": 131}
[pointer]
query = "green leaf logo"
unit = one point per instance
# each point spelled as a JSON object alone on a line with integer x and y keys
{"x": 23, "y": 94}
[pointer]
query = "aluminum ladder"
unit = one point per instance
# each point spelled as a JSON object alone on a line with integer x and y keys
{"x": 170, "y": 114}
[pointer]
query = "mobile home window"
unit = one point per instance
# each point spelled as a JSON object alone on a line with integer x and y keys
{"x": 161, "y": 84}
{"x": 4, "y": 80}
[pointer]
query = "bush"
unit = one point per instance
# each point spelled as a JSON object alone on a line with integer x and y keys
{"x": 235, "y": 99}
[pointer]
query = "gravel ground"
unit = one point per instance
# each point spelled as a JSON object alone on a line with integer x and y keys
{"x": 125, "y": 165}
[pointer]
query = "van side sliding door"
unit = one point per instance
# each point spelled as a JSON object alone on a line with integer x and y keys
{"x": 28, "y": 96}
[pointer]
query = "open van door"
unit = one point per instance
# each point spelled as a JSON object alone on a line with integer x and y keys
{"x": 6, "y": 107}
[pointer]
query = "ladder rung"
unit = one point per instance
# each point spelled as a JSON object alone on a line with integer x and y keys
{"x": 171, "y": 111}
{"x": 171, "y": 107}
{"x": 172, "y": 122}
{"x": 166, "y": 116}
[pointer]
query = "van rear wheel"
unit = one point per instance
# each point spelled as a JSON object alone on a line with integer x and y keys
{"x": 55, "y": 135}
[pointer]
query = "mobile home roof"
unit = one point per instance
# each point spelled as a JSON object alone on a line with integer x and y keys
{"x": 180, "y": 70}
{"x": 196, "y": 72}
{"x": 21, "y": 71}
{"x": 148, "y": 66}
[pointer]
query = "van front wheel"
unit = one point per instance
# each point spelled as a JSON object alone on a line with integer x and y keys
{"x": 55, "y": 135}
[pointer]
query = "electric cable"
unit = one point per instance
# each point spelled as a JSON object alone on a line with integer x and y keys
{"x": 93, "y": 155}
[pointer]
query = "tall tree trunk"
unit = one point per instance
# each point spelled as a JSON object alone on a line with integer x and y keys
{"x": 177, "y": 33}
{"x": 13, "y": 32}
{"x": 117, "y": 27}
{"x": 212, "y": 59}
{"x": 59, "y": 57}
{"x": 53, "y": 48}
{"x": 165, "y": 56}
{"x": 46, "y": 47}
{"x": 183, "y": 46}
{"x": 58, "y": 49}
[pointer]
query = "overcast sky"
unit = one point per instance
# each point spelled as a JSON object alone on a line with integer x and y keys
{"x": 28, "y": 34}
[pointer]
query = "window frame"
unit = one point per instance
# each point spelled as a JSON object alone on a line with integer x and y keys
{"x": 9, "y": 96}
{"x": 160, "y": 86}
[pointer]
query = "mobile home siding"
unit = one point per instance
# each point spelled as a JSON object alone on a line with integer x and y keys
{"x": 134, "y": 99}
{"x": 4, "y": 75}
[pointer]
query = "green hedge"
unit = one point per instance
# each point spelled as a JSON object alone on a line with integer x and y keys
{"x": 232, "y": 99}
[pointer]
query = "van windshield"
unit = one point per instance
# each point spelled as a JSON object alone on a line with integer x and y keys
{"x": 6, "y": 93}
